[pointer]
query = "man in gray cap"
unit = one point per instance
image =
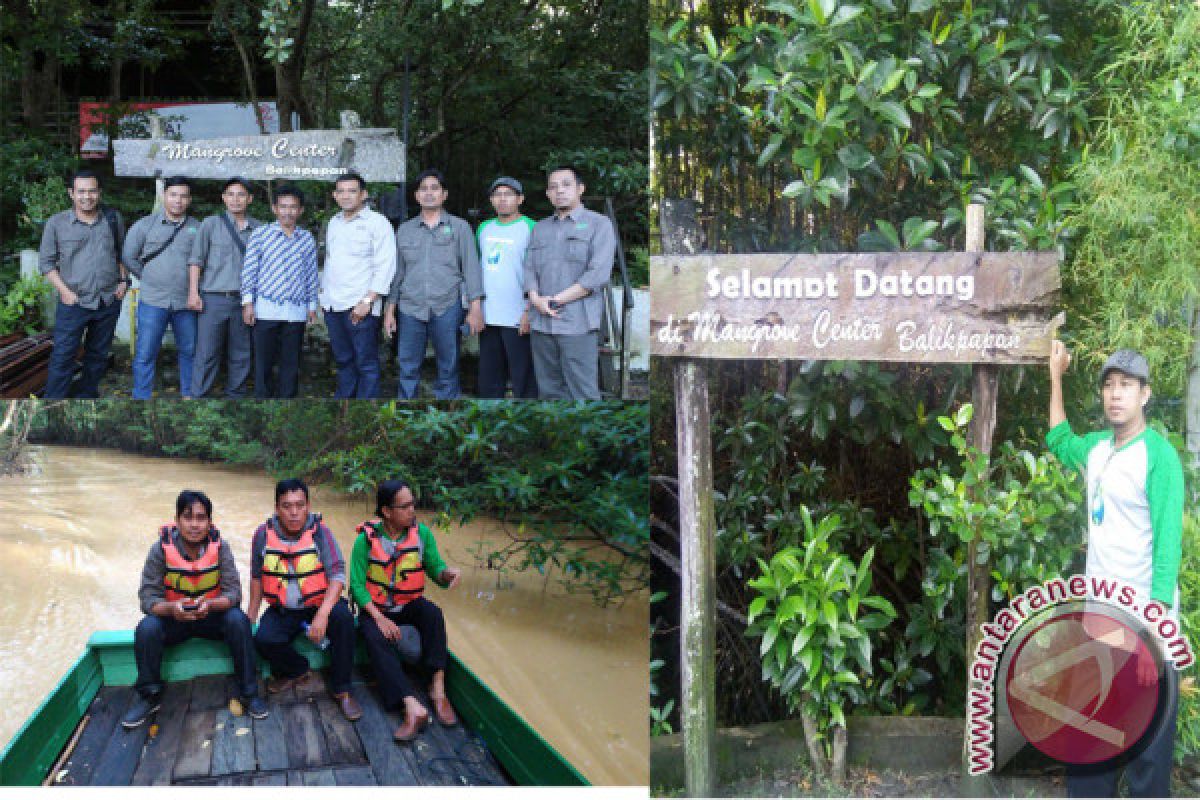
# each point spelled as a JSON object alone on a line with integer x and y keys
{"x": 1135, "y": 529}
{"x": 504, "y": 351}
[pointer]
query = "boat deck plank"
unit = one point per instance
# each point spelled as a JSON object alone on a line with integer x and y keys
{"x": 269, "y": 744}
{"x": 305, "y": 739}
{"x": 158, "y": 757}
{"x": 103, "y": 716}
{"x": 340, "y": 736}
{"x": 195, "y": 740}
{"x": 194, "y": 758}
{"x": 233, "y": 745}
{"x": 210, "y": 692}
{"x": 119, "y": 761}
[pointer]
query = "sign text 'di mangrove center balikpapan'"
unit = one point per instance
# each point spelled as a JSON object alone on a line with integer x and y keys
{"x": 375, "y": 153}
{"x": 915, "y": 307}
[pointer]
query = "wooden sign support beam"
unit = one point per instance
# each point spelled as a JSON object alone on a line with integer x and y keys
{"x": 697, "y": 536}
{"x": 984, "y": 381}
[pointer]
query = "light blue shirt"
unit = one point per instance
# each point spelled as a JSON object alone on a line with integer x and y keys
{"x": 502, "y": 249}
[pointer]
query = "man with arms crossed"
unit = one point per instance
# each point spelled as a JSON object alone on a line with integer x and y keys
{"x": 80, "y": 255}
{"x": 156, "y": 252}
{"x": 1135, "y": 527}
{"x": 215, "y": 291}
{"x": 569, "y": 262}
{"x": 360, "y": 260}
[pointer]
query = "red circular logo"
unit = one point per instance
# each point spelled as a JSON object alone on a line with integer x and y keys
{"x": 1083, "y": 687}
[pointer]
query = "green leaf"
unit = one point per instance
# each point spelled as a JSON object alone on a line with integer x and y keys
{"x": 1034, "y": 179}
{"x": 894, "y": 113}
{"x": 768, "y": 153}
{"x": 854, "y": 157}
{"x": 831, "y": 614}
{"x": 802, "y": 639}
{"x": 756, "y": 608}
{"x": 844, "y": 15}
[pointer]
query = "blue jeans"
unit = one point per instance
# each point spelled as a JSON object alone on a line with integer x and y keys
{"x": 94, "y": 328}
{"x": 151, "y": 325}
{"x": 356, "y": 353}
{"x": 412, "y": 338}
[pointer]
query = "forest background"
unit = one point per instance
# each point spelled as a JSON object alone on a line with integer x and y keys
{"x": 503, "y": 87}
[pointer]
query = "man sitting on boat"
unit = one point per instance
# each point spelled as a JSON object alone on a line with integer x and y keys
{"x": 296, "y": 566}
{"x": 392, "y": 556}
{"x": 190, "y": 587}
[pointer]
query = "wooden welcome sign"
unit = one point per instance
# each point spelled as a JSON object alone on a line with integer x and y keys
{"x": 973, "y": 308}
{"x": 375, "y": 153}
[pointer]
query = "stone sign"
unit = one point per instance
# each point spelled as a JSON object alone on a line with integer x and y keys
{"x": 375, "y": 153}
{"x": 913, "y": 307}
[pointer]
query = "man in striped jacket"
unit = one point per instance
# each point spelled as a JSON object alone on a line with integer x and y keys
{"x": 279, "y": 294}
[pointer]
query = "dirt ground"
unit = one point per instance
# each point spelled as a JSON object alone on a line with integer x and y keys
{"x": 866, "y": 782}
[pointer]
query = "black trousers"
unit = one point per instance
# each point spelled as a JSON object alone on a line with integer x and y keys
{"x": 427, "y": 618}
{"x": 1147, "y": 765}
{"x": 278, "y": 626}
{"x": 277, "y": 344}
{"x": 505, "y": 354}
{"x": 154, "y": 634}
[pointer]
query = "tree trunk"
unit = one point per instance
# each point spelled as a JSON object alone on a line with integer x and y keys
{"x": 837, "y": 770}
{"x": 812, "y": 740}
{"x": 289, "y": 76}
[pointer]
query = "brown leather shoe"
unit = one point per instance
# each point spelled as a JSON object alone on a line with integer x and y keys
{"x": 350, "y": 707}
{"x": 445, "y": 711}
{"x": 411, "y": 727}
{"x": 276, "y": 684}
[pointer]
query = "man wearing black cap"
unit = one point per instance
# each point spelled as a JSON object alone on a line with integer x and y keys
{"x": 214, "y": 290}
{"x": 504, "y": 351}
{"x": 1135, "y": 529}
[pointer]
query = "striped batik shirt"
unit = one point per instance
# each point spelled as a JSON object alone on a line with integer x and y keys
{"x": 279, "y": 273}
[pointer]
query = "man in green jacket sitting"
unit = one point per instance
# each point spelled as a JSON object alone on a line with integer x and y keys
{"x": 392, "y": 556}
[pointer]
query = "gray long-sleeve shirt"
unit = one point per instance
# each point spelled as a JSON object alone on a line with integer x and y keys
{"x": 164, "y": 280}
{"x": 575, "y": 248}
{"x": 218, "y": 256}
{"x": 327, "y": 549}
{"x": 84, "y": 254}
{"x": 435, "y": 266}
{"x": 152, "y": 589}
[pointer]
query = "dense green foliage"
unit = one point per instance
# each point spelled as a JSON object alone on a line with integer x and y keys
{"x": 567, "y": 482}
{"x": 503, "y": 87}
{"x": 815, "y": 617}
{"x": 869, "y": 125}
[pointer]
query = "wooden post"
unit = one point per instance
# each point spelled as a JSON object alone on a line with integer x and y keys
{"x": 983, "y": 425}
{"x": 698, "y": 619}
{"x": 697, "y": 536}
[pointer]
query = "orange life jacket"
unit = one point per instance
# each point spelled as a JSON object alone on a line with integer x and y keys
{"x": 399, "y": 578}
{"x": 186, "y": 579}
{"x": 298, "y": 561}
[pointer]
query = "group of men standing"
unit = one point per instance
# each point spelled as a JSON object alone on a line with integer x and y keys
{"x": 239, "y": 292}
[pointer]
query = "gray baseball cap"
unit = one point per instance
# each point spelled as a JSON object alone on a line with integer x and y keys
{"x": 511, "y": 183}
{"x": 1131, "y": 362}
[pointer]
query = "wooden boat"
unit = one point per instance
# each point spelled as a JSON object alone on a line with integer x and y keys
{"x": 75, "y": 736}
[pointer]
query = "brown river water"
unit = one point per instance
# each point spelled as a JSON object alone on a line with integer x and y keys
{"x": 77, "y": 527}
